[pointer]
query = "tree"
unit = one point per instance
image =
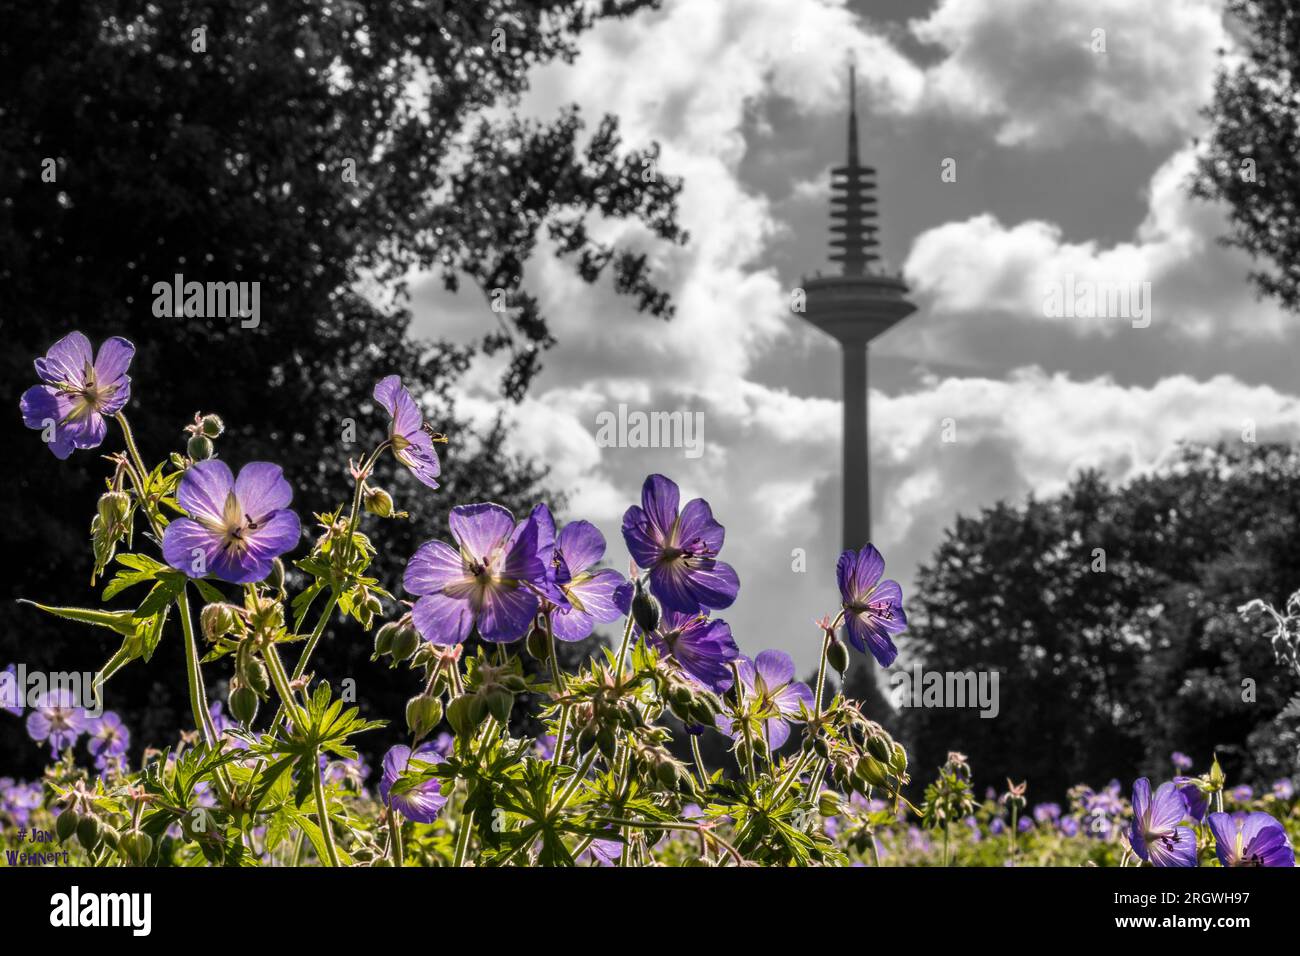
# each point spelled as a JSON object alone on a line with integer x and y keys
{"x": 322, "y": 151}
{"x": 1249, "y": 157}
{"x": 1111, "y": 616}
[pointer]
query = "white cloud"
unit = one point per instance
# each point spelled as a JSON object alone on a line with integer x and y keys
{"x": 1035, "y": 67}
{"x": 1197, "y": 288}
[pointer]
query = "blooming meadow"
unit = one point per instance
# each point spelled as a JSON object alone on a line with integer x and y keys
{"x": 271, "y": 775}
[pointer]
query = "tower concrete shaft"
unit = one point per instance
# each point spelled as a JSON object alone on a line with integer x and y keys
{"x": 853, "y": 308}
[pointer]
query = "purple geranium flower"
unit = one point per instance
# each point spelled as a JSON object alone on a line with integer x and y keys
{"x": 1198, "y": 801}
{"x": 411, "y": 440}
{"x": 11, "y": 696}
{"x": 236, "y": 526}
{"x": 582, "y": 597}
{"x": 702, "y": 646}
{"x": 1047, "y": 812}
{"x": 1253, "y": 839}
{"x": 1157, "y": 834}
{"x": 484, "y": 583}
{"x": 79, "y": 389}
{"x": 421, "y": 803}
{"x": 769, "y": 685}
{"x": 1283, "y": 789}
{"x": 1181, "y": 760}
{"x": 873, "y": 609}
{"x": 56, "y": 718}
{"x": 679, "y": 549}
{"x": 109, "y": 737}
{"x": 1243, "y": 794}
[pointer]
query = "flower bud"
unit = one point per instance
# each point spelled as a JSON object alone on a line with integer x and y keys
{"x": 243, "y": 704}
{"x": 898, "y": 762}
{"x": 645, "y": 610}
{"x": 537, "y": 645}
{"x": 828, "y": 804}
{"x": 378, "y": 502}
{"x": 880, "y": 747}
{"x": 465, "y": 713}
{"x": 218, "y": 620}
{"x": 135, "y": 847}
{"x": 65, "y": 825}
{"x": 837, "y": 655}
{"x": 871, "y": 771}
{"x": 405, "y": 640}
{"x": 199, "y": 447}
{"x": 384, "y": 639}
{"x": 373, "y": 605}
{"x": 276, "y": 578}
{"x": 113, "y": 506}
{"x": 89, "y": 831}
{"x": 499, "y": 703}
{"x": 254, "y": 675}
{"x": 212, "y": 426}
{"x": 422, "y": 715}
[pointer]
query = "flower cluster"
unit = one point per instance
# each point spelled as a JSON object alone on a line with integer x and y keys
{"x": 507, "y": 757}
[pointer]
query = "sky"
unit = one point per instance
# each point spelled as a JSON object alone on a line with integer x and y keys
{"x": 1071, "y": 126}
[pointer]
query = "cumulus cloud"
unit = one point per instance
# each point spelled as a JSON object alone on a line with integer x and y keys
{"x": 1052, "y": 71}
{"x": 1196, "y": 287}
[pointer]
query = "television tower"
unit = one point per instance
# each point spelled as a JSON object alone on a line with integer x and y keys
{"x": 853, "y": 308}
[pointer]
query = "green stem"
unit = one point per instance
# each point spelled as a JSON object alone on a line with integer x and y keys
{"x": 699, "y": 762}
{"x": 198, "y": 693}
{"x": 622, "y": 648}
{"x": 462, "y": 840}
{"x": 323, "y": 817}
{"x": 395, "y": 837}
{"x": 573, "y": 784}
{"x": 557, "y": 679}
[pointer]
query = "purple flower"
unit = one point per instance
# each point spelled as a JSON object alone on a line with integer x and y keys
{"x": 1069, "y": 827}
{"x": 873, "y": 609}
{"x": 1198, "y": 801}
{"x": 422, "y": 802}
{"x": 236, "y": 526}
{"x": 770, "y": 692}
{"x": 108, "y": 737}
{"x": 603, "y": 852}
{"x": 582, "y": 597}
{"x": 1243, "y": 794}
{"x": 1157, "y": 835}
{"x": 679, "y": 549}
{"x": 411, "y": 441}
{"x": 78, "y": 391}
{"x": 1047, "y": 812}
{"x": 19, "y": 799}
{"x": 1181, "y": 760}
{"x": 1253, "y": 839}
{"x": 1283, "y": 789}
{"x": 11, "y": 696}
{"x": 703, "y": 647}
{"x": 56, "y": 718}
{"x": 484, "y": 582}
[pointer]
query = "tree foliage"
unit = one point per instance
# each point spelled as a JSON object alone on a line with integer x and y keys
{"x": 323, "y": 150}
{"x": 1249, "y": 157}
{"x": 1111, "y": 615}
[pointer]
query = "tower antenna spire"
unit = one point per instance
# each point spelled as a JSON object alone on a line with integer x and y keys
{"x": 853, "y": 202}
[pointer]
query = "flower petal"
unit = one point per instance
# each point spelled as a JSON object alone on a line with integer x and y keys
{"x": 434, "y": 565}
{"x": 442, "y": 619}
{"x": 262, "y": 489}
{"x": 481, "y": 529}
{"x": 66, "y": 361}
{"x": 204, "y": 489}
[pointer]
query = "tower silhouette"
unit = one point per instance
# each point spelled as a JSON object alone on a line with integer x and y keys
{"x": 853, "y": 308}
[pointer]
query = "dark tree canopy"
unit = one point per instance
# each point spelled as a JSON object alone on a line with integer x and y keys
{"x": 1105, "y": 673}
{"x": 1250, "y": 156}
{"x": 318, "y": 149}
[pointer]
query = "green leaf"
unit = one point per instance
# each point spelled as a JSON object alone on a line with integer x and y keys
{"x": 123, "y": 622}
